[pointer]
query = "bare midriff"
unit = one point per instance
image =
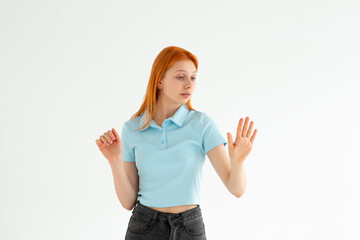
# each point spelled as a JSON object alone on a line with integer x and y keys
{"x": 175, "y": 209}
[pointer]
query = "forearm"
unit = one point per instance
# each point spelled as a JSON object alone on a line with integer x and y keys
{"x": 124, "y": 190}
{"x": 237, "y": 180}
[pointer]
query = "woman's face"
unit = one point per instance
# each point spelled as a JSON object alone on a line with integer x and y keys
{"x": 180, "y": 78}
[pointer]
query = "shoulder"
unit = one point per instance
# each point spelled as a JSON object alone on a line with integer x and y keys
{"x": 131, "y": 125}
{"x": 196, "y": 114}
{"x": 201, "y": 118}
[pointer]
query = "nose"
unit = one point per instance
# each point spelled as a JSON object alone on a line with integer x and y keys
{"x": 189, "y": 82}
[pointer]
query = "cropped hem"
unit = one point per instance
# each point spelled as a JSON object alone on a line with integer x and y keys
{"x": 174, "y": 204}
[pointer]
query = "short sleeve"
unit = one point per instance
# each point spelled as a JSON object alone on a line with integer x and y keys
{"x": 211, "y": 136}
{"x": 127, "y": 151}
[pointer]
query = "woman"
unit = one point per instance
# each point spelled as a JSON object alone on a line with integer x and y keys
{"x": 157, "y": 163}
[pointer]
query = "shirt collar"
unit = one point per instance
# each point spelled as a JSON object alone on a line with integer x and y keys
{"x": 178, "y": 118}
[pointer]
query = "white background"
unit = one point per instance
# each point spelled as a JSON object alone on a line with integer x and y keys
{"x": 71, "y": 70}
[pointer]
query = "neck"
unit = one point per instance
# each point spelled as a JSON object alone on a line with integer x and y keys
{"x": 163, "y": 111}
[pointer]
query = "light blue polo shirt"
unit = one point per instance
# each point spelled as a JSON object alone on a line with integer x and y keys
{"x": 170, "y": 158}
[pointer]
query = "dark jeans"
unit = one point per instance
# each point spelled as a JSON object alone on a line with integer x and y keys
{"x": 148, "y": 224}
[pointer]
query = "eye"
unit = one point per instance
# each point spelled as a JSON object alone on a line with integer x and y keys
{"x": 194, "y": 78}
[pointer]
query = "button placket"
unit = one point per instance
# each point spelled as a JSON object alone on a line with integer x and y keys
{"x": 164, "y": 138}
{"x": 163, "y": 141}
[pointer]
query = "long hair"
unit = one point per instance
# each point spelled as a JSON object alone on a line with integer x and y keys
{"x": 164, "y": 60}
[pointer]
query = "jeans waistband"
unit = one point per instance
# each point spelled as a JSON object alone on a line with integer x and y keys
{"x": 152, "y": 213}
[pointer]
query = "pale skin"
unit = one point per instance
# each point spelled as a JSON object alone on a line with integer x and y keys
{"x": 230, "y": 168}
{"x": 179, "y": 78}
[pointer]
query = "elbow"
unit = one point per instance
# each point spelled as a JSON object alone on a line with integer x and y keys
{"x": 238, "y": 195}
{"x": 127, "y": 207}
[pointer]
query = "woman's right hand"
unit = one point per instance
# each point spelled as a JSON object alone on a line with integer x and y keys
{"x": 110, "y": 145}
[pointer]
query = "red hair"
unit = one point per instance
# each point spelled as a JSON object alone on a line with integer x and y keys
{"x": 164, "y": 60}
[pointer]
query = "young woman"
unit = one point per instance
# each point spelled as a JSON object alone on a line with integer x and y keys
{"x": 157, "y": 163}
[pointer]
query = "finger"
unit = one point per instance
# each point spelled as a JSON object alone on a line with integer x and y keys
{"x": 253, "y": 136}
{"x": 238, "y": 131}
{"x": 250, "y": 129}
{"x": 106, "y": 135}
{"x": 230, "y": 141}
{"x": 104, "y": 140}
{"x": 244, "y": 130}
{"x": 98, "y": 143}
{"x": 116, "y": 134}
{"x": 111, "y": 135}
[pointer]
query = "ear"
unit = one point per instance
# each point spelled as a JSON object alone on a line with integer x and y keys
{"x": 159, "y": 86}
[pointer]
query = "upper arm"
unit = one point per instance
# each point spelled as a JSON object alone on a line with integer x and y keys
{"x": 132, "y": 173}
{"x": 213, "y": 144}
{"x": 221, "y": 162}
{"x": 128, "y": 158}
{"x": 210, "y": 134}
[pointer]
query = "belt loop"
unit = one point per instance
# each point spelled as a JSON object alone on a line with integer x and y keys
{"x": 155, "y": 216}
{"x": 136, "y": 204}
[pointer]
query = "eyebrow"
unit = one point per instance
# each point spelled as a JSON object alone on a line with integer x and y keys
{"x": 183, "y": 71}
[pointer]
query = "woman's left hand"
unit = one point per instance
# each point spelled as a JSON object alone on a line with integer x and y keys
{"x": 240, "y": 149}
